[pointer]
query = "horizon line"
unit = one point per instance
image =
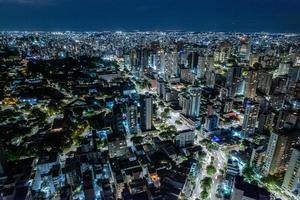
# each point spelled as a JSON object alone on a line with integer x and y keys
{"x": 145, "y": 31}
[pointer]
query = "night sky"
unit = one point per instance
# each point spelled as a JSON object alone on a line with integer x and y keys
{"x": 129, "y": 15}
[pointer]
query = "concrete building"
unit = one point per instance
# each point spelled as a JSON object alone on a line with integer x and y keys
{"x": 291, "y": 181}
{"x": 258, "y": 156}
{"x": 250, "y": 117}
{"x": 117, "y": 146}
{"x": 279, "y": 150}
{"x": 191, "y": 102}
{"x": 251, "y": 83}
{"x": 211, "y": 122}
{"x": 185, "y": 138}
{"x": 131, "y": 117}
{"x": 146, "y": 108}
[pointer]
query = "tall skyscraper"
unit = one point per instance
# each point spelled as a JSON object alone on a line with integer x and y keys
{"x": 133, "y": 59}
{"x": 245, "y": 48}
{"x": 211, "y": 122}
{"x": 223, "y": 51}
{"x": 210, "y": 77}
{"x": 161, "y": 61}
{"x": 266, "y": 120}
{"x": 146, "y": 103}
{"x": 131, "y": 116}
{"x": 143, "y": 59}
{"x": 191, "y": 102}
{"x": 153, "y": 61}
{"x": 250, "y": 117}
{"x": 171, "y": 64}
{"x": 161, "y": 84}
{"x": 264, "y": 81}
{"x": 193, "y": 60}
{"x": 139, "y": 59}
{"x": 201, "y": 68}
{"x": 291, "y": 181}
{"x": 251, "y": 83}
{"x": 118, "y": 125}
{"x": 279, "y": 150}
{"x": 233, "y": 80}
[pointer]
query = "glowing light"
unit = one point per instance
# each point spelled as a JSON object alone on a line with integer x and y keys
{"x": 216, "y": 139}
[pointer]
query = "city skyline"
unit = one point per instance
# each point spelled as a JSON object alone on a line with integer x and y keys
{"x": 149, "y": 100}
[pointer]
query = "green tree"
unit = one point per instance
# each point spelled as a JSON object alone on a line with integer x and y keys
{"x": 204, "y": 194}
{"x": 201, "y": 155}
{"x": 248, "y": 173}
{"x": 206, "y": 183}
{"x": 211, "y": 170}
{"x": 167, "y": 110}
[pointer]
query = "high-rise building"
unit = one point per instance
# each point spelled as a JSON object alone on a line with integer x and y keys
{"x": 227, "y": 105}
{"x": 233, "y": 75}
{"x": 191, "y": 102}
{"x": 153, "y": 61}
{"x": 185, "y": 138}
{"x": 250, "y": 117}
{"x": 245, "y": 48}
{"x": 279, "y": 150}
{"x": 143, "y": 59}
{"x": 258, "y": 156}
{"x": 171, "y": 65}
{"x": 131, "y": 116}
{"x": 291, "y": 181}
{"x": 160, "y": 87}
{"x": 265, "y": 122}
{"x": 193, "y": 60}
{"x": 133, "y": 59}
{"x": 251, "y": 83}
{"x": 161, "y": 61}
{"x": 117, "y": 146}
{"x": 118, "y": 119}
{"x": 146, "y": 103}
{"x": 186, "y": 75}
{"x": 223, "y": 51}
{"x": 195, "y": 94}
{"x": 211, "y": 122}
{"x": 201, "y": 68}
{"x": 210, "y": 77}
{"x": 139, "y": 59}
{"x": 264, "y": 81}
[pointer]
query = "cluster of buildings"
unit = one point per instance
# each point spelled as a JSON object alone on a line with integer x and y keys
{"x": 124, "y": 115}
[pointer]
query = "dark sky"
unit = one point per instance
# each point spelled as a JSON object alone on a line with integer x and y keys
{"x": 191, "y": 15}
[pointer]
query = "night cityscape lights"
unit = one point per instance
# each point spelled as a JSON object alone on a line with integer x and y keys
{"x": 110, "y": 111}
{"x": 149, "y": 115}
